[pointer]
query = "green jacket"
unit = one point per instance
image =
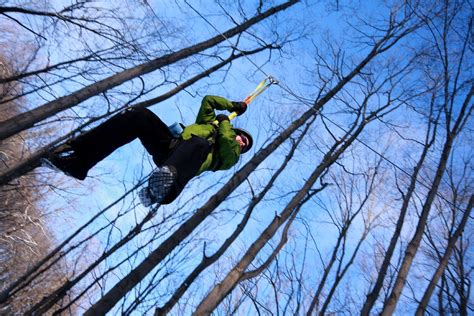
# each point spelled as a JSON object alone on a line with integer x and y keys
{"x": 226, "y": 150}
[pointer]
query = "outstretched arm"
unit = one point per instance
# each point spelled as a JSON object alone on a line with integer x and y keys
{"x": 209, "y": 104}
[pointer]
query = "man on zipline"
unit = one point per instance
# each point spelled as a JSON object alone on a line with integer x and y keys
{"x": 212, "y": 143}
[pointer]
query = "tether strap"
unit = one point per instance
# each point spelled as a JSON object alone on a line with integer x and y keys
{"x": 262, "y": 86}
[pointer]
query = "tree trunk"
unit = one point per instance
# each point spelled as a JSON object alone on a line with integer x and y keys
{"x": 147, "y": 265}
{"x": 207, "y": 261}
{"x": 220, "y": 291}
{"x": 373, "y": 295}
{"x": 137, "y": 274}
{"x": 444, "y": 261}
{"x": 315, "y": 301}
{"x": 34, "y": 160}
{"x": 412, "y": 248}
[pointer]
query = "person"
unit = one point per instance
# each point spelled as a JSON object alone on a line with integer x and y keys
{"x": 210, "y": 144}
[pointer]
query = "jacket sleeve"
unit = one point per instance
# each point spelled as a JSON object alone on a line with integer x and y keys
{"x": 208, "y": 105}
{"x": 228, "y": 149}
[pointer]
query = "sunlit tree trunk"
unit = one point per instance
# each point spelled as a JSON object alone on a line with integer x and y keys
{"x": 412, "y": 248}
{"x": 444, "y": 260}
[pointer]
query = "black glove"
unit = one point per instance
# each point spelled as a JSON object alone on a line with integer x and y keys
{"x": 239, "y": 107}
{"x": 222, "y": 117}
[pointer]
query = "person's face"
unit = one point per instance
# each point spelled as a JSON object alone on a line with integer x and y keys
{"x": 242, "y": 141}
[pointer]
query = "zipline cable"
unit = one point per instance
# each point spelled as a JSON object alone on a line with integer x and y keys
{"x": 227, "y": 39}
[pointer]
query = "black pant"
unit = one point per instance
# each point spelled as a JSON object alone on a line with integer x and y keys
{"x": 96, "y": 144}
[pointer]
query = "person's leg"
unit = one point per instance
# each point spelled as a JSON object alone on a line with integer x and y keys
{"x": 96, "y": 144}
{"x": 188, "y": 157}
{"x": 184, "y": 163}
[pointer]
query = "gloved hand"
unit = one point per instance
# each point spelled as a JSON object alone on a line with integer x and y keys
{"x": 222, "y": 117}
{"x": 239, "y": 107}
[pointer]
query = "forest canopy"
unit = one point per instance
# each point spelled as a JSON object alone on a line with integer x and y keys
{"x": 355, "y": 197}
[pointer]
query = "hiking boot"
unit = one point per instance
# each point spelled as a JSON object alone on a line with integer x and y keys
{"x": 146, "y": 198}
{"x": 64, "y": 159}
{"x": 159, "y": 186}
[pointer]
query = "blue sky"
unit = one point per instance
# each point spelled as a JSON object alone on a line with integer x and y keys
{"x": 267, "y": 115}
{"x": 127, "y": 163}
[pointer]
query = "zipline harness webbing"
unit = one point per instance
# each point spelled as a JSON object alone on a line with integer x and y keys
{"x": 262, "y": 86}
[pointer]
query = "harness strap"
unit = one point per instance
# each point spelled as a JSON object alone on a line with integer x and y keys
{"x": 262, "y": 86}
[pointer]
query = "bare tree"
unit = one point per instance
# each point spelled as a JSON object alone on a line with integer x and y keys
{"x": 349, "y": 210}
{"x": 443, "y": 262}
{"x": 34, "y": 160}
{"x": 337, "y": 198}
{"x": 28, "y": 119}
{"x": 395, "y": 32}
{"x": 208, "y": 260}
{"x": 24, "y": 237}
{"x": 46, "y": 263}
{"x": 456, "y": 107}
{"x": 340, "y": 145}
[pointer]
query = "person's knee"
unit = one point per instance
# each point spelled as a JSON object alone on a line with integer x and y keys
{"x": 134, "y": 112}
